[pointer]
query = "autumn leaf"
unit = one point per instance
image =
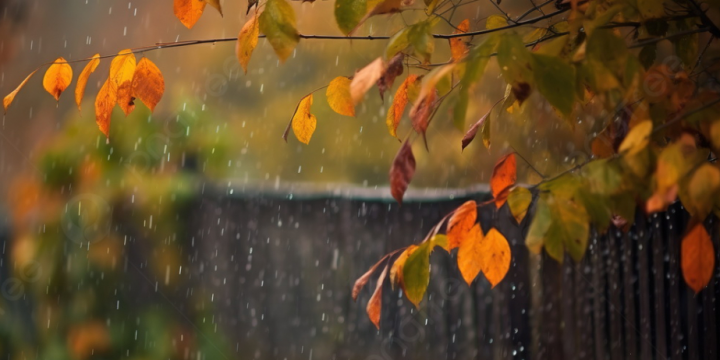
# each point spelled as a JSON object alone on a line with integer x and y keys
{"x": 504, "y": 175}
{"x": 122, "y": 71}
{"x": 494, "y": 256}
{"x": 374, "y": 306}
{"x": 148, "y": 84}
{"x": 383, "y": 7}
{"x": 470, "y": 134}
{"x": 402, "y": 171}
{"x": 363, "y": 280}
{"x": 637, "y": 139}
{"x": 11, "y": 96}
{"x": 365, "y": 79}
{"x": 247, "y": 41}
{"x": 460, "y": 224}
{"x": 400, "y": 100}
{"x": 277, "y": 22}
{"x": 104, "y": 104}
{"x": 189, "y": 11}
{"x": 349, "y": 13}
{"x": 416, "y": 273}
{"x": 422, "y": 114}
{"x": 396, "y": 271}
{"x": 393, "y": 70}
{"x": 338, "y": 96}
{"x": 697, "y": 257}
{"x": 519, "y": 200}
{"x": 458, "y": 47}
{"x": 83, "y": 79}
{"x": 469, "y": 254}
{"x": 560, "y": 225}
{"x": 57, "y": 78}
{"x": 216, "y": 5}
{"x": 702, "y": 190}
{"x": 303, "y": 122}
{"x": 495, "y": 22}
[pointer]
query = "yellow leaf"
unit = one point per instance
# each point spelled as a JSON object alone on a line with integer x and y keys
{"x": 122, "y": 71}
{"x": 495, "y": 21}
{"x": 458, "y": 47}
{"x": 637, "y": 139}
{"x": 216, "y": 5}
{"x": 148, "y": 84}
{"x": 83, "y": 79}
{"x": 400, "y": 101}
{"x": 57, "y": 78}
{"x": 494, "y": 256}
{"x": 697, "y": 257}
{"x": 104, "y": 104}
{"x": 338, "y": 96}
{"x": 396, "y": 271}
{"x": 365, "y": 79}
{"x": 11, "y": 96}
{"x": 702, "y": 190}
{"x": 519, "y": 200}
{"x": 303, "y": 122}
{"x": 247, "y": 41}
{"x": 469, "y": 256}
{"x": 189, "y": 11}
{"x": 460, "y": 224}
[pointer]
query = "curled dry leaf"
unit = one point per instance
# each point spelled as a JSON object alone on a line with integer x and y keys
{"x": 338, "y": 96}
{"x": 458, "y": 47}
{"x": 57, "y": 78}
{"x": 422, "y": 114}
{"x": 247, "y": 41}
{"x": 374, "y": 306}
{"x": 83, "y": 79}
{"x": 148, "y": 84}
{"x": 503, "y": 177}
{"x": 402, "y": 171}
{"x": 470, "y": 134}
{"x": 122, "y": 71}
{"x": 216, "y": 5}
{"x": 189, "y": 11}
{"x": 104, "y": 104}
{"x": 697, "y": 257}
{"x": 363, "y": 280}
{"x": 469, "y": 256}
{"x": 393, "y": 70}
{"x": 365, "y": 79}
{"x": 303, "y": 122}
{"x": 495, "y": 256}
{"x": 460, "y": 224}
{"x": 11, "y": 96}
{"x": 400, "y": 101}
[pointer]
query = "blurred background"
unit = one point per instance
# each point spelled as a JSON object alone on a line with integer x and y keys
{"x": 178, "y": 238}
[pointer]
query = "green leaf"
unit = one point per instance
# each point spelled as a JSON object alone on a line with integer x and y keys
{"x": 397, "y": 43}
{"x": 495, "y": 21}
{"x": 702, "y": 190}
{"x": 348, "y": 14}
{"x": 560, "y": 225}
{"x": 475, "y": 65}
{"x": 420, "y": 37}
{"x": 277, "y": 22}
{"x": 416, "y": 273}
{"x": 556, "y": 82}
{"x": 606, "y": 48}
{"x": 519, "y": 200}
{"x": 514, "y": 59}
{"x": 651, "y": 9}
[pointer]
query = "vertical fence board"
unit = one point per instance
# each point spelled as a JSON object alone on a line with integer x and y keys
{"x": 644, "y": 277}
{"x": 659, "y": 273}
{"x": 614, "y": 304}
{"x": 599, "y": 298}
{"x": 630, "y": 298}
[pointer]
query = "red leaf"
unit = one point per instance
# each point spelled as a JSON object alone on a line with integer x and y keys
{"x": 402, "y": 171}
{"x": 393, "y": 70}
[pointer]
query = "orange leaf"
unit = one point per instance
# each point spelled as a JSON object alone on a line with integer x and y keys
{"x": 247, "y": 41}
{"x": 11, "y": 96}
{"x": 104, "y": 104}
{"x": 375, "y": 304}
{"x": 122, "y": 71}
{"x": 469, "y": 257}
{"x": 503, "y": 177}
{"x": 338, "y": 96}
{"x": 83, "y": 79}
{"x": 697, "y": 257}
{"x": 402, "y": 171}
{"x": 189, "y": 11}
{"x": 148, "y": 84}
{"x": 460, "y": 224}
{"x": 396, "y": 271}
{"x": 495, "y": 256}
{"x": 397, "y": 108}
{"x": 303, "y": 122}
{"x": 458, "y": 48}
{"x": 365, "y": 79}
{"x": 57, "y": 78}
